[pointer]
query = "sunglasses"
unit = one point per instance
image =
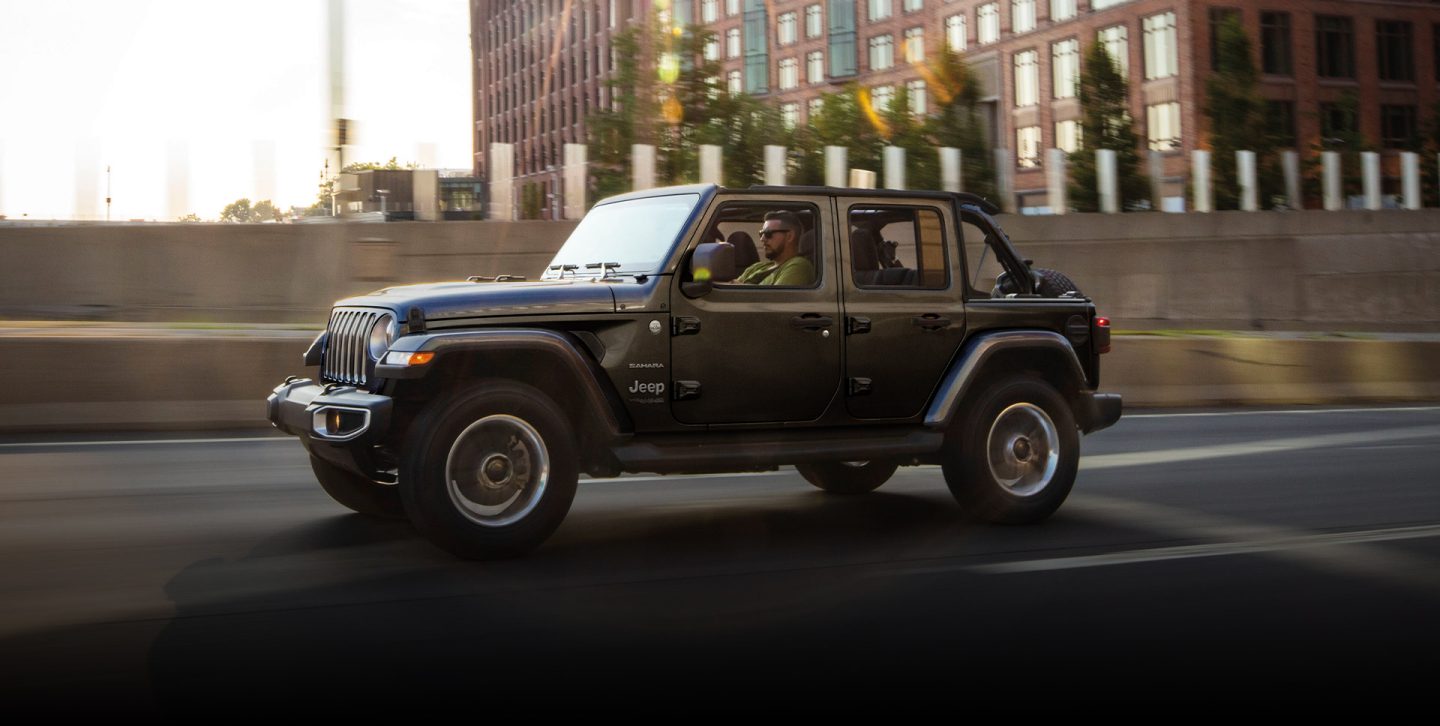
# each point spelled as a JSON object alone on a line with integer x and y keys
{"x": 766, "y": 233}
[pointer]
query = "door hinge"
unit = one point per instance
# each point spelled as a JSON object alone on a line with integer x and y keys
{"x": 685, "y": 325}
{"x": 857, "y": 325}
{"x": 859, "y": 386}
{"x": 685, "y": 390}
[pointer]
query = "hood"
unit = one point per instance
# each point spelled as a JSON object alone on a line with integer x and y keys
{"x": 448, "y": 300}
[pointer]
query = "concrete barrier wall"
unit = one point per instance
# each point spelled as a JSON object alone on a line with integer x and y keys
{"x": 1351, "y": 270}
{"x": 191, "y": 381}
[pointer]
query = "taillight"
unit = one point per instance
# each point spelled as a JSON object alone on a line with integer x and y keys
{"x": 1102, "y": 334}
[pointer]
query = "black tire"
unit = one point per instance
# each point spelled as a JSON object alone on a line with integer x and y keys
{"x": 518, "y": 465}
{"x": 1010, "y": 411}
{"x": 366, "y": 496}
{"x": 846, "y": 477}
{"x": 1054, "y": 283}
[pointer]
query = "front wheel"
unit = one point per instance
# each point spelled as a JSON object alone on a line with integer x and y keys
{"x": 1014, "y": 456}
{"x": 848, "y": 477}
{"x": 490, "y": 472}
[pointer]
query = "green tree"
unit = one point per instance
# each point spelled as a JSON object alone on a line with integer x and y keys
{"x": 1106, "y": 124}
{"x": 843, "y": 120}
{"x": 242, "y": 212}
{"x": 237, "y": 211}
{"x": 1236, "y": 113}
{"x": 627, "y": 121}
{"x": 957, "y": 121}
{"x": 191, "y": 217}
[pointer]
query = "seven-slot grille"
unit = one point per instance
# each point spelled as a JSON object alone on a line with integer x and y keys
{"x": 347, "y": 356}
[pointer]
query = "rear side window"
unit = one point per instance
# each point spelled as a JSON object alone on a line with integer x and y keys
{"x": 897, "y": 246}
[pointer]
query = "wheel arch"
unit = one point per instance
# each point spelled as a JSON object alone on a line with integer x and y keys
{"x": 1044, "y": 353}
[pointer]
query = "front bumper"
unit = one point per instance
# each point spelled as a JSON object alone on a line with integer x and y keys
{"x": 301, "y": 407}
{"x": 1098, "y": 411}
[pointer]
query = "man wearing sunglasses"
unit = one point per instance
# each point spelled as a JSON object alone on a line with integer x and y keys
{"x": 783, "y": 263}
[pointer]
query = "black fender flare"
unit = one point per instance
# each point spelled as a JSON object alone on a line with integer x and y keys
{"x": 598, "y": 402}
{"x": 981, "y": 348}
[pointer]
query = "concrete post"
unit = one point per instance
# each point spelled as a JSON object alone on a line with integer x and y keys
{"x": 1290, "y": 161}
{"x": 710, "y": 165}
{"x": 862, "y": 179}
{"x": 774, "y": 165}
{"x": 1370, "y": 165}
{"x": 1330, "y": 162}
{"x": 1055, "y": 180}
{"x": 642, "y": 170}
{"x": 1245, "y": 177}
{"x": 1155, "y": 167}
{"x": 502, "y": 182}
{"x": 575, "y": 174}
{"x": 836, "y": 162}
{"x": 1200, "y": 181}
{"x": 1410, "y": 179}
{"x": 1107, "y": 179}
{"x": 951, "y": 180}
{"x": 894, "y": 167}
{"x": 1005, "y": 180}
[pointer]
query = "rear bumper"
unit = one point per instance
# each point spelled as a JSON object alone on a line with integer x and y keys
{"x": 301, "y": 407}
{"x": 1098, "y": 411}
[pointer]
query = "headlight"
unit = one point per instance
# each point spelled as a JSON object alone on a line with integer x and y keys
{"x": 382, "y": 334}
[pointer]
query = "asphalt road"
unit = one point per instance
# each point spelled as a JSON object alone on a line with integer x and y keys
{"x": 1288, "y": 556}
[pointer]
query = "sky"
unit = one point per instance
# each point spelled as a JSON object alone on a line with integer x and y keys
{"x": 194, "y": 104}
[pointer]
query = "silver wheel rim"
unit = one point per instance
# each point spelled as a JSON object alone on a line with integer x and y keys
{"x": 497, "y": 470}
{"x": 855, "y": 464}
{"x": 1023, "y": 449}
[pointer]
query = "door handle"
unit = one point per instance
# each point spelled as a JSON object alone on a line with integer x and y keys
{"x": 811, "y": 322}
{"x": 931, "y": 321}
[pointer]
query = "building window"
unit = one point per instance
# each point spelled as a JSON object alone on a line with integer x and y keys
{"x": 844, "y": 48}
{"x": 733, "y": 84}
{"x": 1218, "y": 16}
{"x": 1161, "y": 59}
{"x": 1067, "y": 136}
{"x": 814, "y": 21}
{"x": 1396, "y": 48}
{"x": 882, "y": 52}
{"x": 712, "y": 48}
{"x": 815, "y": 66}
{"x": 880, "y": 9}
{"x": 789, "y": 74}
{"x": 709, "y": 10}
{"x": 785, "y": 29}
{"x": 1027, "y": 79}
{"x": 1337, "y": 121}
{"x": 1065, "y": 62}
{"x": 1162, "y": 126}
{"x": 1027, "y": 147}
{"x": 1280, "y": 122}
{"x": 955, "y": 33}
{"x": 915, "y": 45}
{"x": 1061, "y": 10}
{"x": 790, "y": 114}
{"x": 815, "y": 107}
{"x": 1117, "y": 45}
{"x": 1334, "y": 47}
{"x": 916, "y": 91}
{"x": 913, "y": 6}
{"x": 1102, "y": 4}
{"x": 1275, "y": 44}
{"x": 732, "y": 8}
{"x": 1022, "y": 16}
{"x": 987, "y": 23}
{"x": 881, "y": 97}
{"x": 732, "y": 43}
{"x": 1398, "y": 127}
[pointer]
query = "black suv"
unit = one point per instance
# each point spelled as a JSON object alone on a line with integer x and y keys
{"x": 473, "y": 407}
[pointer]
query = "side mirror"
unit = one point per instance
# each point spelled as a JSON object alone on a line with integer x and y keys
{"x": 710, "y": 263}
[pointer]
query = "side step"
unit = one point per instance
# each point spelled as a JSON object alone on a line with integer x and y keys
{"x": 752, "y": 450}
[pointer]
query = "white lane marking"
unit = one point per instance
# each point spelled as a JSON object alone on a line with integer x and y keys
{"x": 1216, "y": 549}
{"x": 1277, "y": 411}
{"x": 144, "y": 442}
{"x": 1266, "y": 446}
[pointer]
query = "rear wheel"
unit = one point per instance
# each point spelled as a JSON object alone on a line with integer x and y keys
{"x": 848, "y": 477}
{"x": 1013, "y": 459}
{"x": 490, "y": 472}
{"x": 366, "y": 496}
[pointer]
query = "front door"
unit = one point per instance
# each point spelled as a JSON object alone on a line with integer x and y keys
{"x": 752, "y": 353}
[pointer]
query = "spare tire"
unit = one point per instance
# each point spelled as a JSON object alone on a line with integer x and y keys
{"x": 1054, "y": 284}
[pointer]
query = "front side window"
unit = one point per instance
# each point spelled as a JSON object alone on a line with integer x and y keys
{"x": 653, "y": 224}
{"x": 897, "y": 246}
{"x": 779, "y": 252}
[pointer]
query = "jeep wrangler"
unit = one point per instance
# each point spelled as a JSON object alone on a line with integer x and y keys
{"x": 473, "y": 407}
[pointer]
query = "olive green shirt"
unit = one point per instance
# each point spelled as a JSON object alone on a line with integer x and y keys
{"x": 796, "y": 271}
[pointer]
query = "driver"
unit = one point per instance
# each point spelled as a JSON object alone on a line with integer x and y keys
{"x": 783, "y": 263}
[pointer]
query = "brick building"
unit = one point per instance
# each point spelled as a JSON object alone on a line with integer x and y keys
{"x": 541, "y": 66}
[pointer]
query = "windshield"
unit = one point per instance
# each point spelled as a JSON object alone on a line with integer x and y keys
{"x": 637, "y": 234}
